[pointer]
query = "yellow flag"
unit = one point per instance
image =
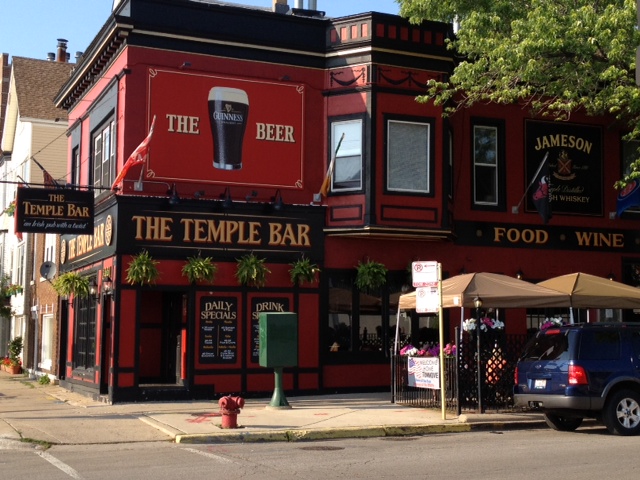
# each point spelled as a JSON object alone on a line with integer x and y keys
{"x": 326, "y": 184}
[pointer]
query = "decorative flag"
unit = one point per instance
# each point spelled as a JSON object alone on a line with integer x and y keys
{"x": 542, "y": 195}
{"x": 628, "y": 197}
{"x": 138, "y": 156}
{"x": 326, "y": 184}
{"x": 48, "y": 180}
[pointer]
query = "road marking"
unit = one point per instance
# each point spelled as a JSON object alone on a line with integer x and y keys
{"x": 213, "y": 456}
{"x": 59, "y": 464}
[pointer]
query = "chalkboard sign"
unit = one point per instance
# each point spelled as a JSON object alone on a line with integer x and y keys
{"x": 258, "y": 306}
{"x": 218, "y": 330}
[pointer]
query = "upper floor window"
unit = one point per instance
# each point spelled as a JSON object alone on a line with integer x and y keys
{"x": 408, "y": 156}
{"x": 50, "y": 247}
{"x": 488, "y": 162}
{"x": 347, "y": 171}
{"x": 75, "y": 166}
{"x": 103, "y": 156}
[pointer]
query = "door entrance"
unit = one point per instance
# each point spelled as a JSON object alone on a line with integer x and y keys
{"x": 160, "y": 345}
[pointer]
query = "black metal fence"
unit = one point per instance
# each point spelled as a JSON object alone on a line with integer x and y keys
{"x": 498, "y": 357}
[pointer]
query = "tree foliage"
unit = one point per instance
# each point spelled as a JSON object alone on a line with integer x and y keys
{"x": 553, "y": 56}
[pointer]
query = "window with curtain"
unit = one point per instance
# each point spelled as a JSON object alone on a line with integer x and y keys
{"x": 408, "y": 156}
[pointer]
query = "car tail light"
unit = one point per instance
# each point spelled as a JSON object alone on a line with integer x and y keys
{"x": 577, "y": 375}
{"x": 515, "y": 376}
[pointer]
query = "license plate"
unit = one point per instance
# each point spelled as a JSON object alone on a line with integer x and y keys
{"x": 539, "y": 383}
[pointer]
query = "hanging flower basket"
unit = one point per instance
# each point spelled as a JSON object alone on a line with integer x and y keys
{"x": 302, "y": 270}
{"x": 200, "y": 269}
{"x": 143, "y": 269}
{"x": 71, "y": 283}
{"x": 251, "y": 271}
{"x": 486, "y": 324}
{"x": 370, "y": 275}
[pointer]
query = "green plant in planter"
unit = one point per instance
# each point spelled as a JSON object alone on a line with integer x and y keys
{"x": 71, "y": 282}
{"x": 143, "y": 269}
{"x": 15, "y": 349}
{"x": 251, "y": 271}
{"x": 5, "y": 310}
{"x": 302, "y": 270}
{"x": 200, "y": 269}
{"x": 370, "y": 275}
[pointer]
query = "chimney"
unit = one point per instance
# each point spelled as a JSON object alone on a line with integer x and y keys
{"x": 299, "y": 4}
{"x": 280, "y": 6}
{"x": 79, "y": 56}
{"x": 62, "y": 50}
{"x": 51, "y": 57}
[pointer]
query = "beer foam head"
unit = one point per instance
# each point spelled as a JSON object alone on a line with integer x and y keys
{"x": 228, "y": 94}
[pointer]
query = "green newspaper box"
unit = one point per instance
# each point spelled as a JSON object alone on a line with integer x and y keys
{"x": 278, "y": 339}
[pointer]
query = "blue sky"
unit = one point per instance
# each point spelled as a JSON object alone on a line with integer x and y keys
{"x": 30, "y": 28}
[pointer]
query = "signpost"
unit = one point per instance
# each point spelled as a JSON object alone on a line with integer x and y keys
{"x": 427, "y": 278}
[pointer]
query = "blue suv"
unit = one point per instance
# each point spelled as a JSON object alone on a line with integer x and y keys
{"x": 583, "y": 370}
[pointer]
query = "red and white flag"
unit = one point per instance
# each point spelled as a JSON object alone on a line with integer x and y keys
{"x": 138, "y": 156}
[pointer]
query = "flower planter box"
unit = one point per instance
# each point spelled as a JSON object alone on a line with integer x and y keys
{"x": 14, "y": 370}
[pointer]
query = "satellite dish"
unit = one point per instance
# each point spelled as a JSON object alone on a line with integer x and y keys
{"x": 48, "y": 270}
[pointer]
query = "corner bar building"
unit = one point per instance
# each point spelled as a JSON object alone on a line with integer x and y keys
{"x": 407, "y": 185}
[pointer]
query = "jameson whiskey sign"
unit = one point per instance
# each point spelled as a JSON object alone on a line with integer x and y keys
{"x": 258, "y": 306}
{"x": 218, "y": 330}
{"x": 575, "y": 165}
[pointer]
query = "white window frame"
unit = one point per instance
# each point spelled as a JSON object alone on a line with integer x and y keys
{"x": 350, "y": 151}
{"x": 396, "y": 161}
{"x": 482, "y": 163}
{"x": 48, "y": 342}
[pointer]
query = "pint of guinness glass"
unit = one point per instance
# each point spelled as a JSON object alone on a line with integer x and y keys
{"x": 228, "y": 111}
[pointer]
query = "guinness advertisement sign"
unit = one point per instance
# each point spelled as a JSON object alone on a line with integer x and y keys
{"x": 575, "y": 165}
{"x": 46, "y": 210}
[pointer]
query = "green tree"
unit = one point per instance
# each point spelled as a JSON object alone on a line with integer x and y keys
{"x": 553, "y": 56}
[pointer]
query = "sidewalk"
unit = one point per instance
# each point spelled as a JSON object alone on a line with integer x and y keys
{"x": 55, "y": 415}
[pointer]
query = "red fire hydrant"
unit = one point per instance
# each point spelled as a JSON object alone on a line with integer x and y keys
{"x": 230, "y": 408}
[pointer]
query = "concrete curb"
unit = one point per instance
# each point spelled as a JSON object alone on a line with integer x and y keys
{"x": 351, "y": 432}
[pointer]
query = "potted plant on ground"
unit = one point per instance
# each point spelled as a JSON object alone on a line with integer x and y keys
{"x": 71, "y": 283}
{"x": 143, "y": 269}
{"x": 302, "y": 270}
{"x": 370, "y": 275}
{"x": 251, "y": 271}
{"x": 200, "y": 269}
{"x": 15, "y": 349}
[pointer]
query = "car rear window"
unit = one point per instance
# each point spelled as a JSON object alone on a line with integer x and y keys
{"x": 547, "y": 346}
{"x": 599, "y": 345}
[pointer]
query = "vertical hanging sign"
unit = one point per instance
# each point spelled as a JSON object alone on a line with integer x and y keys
{"x": 424, "y": 276}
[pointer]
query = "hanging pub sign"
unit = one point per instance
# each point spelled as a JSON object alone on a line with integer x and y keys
{"x": 575, "y": 166}
{"x": 47, "y": 210}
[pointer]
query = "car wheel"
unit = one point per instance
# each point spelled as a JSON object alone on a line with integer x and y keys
{"x": 563, "y": 424}
{"x": 621, "y": 414}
